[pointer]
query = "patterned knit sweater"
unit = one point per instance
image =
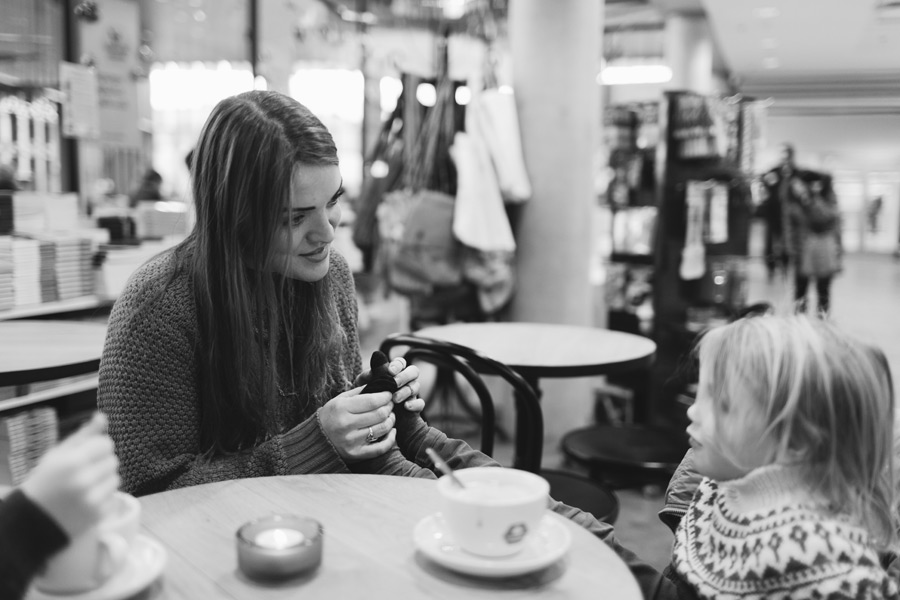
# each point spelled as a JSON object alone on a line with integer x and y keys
{"x": 148, "y": 389}
{"x": 764, "y": 536}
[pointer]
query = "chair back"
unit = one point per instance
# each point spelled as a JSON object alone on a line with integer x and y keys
{"x": 529, "y": 418}
{"x": 453, "y": 364}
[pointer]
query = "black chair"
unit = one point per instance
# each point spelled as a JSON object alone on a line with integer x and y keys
{"x": 626, "y": 456}
{"x": 569, "y": 488}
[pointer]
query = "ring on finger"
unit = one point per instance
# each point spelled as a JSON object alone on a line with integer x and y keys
{"x": 371, "y": 438}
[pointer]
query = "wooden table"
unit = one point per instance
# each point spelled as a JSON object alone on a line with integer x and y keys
{"x": 369, "y": 551}
{"x": 538, "y": 350}
{"x": 39, "y": 350}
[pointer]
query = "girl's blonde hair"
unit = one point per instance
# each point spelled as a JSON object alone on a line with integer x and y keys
{"x": 828, "y": 404}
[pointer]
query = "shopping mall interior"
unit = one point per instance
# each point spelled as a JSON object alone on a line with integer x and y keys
{"x": 629, "y": 146}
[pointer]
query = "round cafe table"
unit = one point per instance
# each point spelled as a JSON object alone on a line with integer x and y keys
{"x": 538, "y": 350}
{"x": 369, "y": 550}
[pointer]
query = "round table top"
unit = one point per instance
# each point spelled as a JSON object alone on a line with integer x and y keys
{"x": 38, "y": 350}
{"x": 549, "y": 350}
{"x": 369, "y": 551}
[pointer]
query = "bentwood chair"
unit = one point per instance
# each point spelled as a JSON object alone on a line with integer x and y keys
{"x": 568, "y": 488}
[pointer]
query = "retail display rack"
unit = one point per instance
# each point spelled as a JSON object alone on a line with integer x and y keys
{"x": 681, "y": 208}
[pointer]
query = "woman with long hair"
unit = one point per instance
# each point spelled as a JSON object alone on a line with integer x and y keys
{"x": 235, "y": 354}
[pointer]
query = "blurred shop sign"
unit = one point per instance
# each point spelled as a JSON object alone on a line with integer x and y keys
{"x": 80, "y": 105}
{"x": 110, "y": 44}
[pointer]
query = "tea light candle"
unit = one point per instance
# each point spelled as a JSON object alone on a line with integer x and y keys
{"x": 279, "y": 547}
{"x": 278, "y": 539}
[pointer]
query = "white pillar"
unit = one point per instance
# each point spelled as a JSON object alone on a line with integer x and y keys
{"x": 556, "y": 57}
{"x": 689, "y": 53}
{"x": 555, "y": 47}
{"x": 275, "y": 32}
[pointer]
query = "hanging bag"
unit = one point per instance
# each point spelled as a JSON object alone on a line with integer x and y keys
{"x": 416, "y": 222}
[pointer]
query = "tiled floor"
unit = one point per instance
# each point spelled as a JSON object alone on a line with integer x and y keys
{"x": 864, "y": 301}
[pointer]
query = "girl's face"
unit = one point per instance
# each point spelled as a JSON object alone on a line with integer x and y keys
{"x": 304, "y": 243}
{"x": 739, "y": 426}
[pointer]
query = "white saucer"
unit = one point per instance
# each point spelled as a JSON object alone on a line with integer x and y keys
{"x": 144, "y": 564}
{"x": 543, "y": 548}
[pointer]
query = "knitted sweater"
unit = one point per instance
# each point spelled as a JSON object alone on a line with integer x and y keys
{"x": 765, "y": 536}
{"x": 28, "y": 537}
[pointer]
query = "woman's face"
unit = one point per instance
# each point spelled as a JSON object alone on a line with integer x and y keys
{"x": 740, "y": 428}
{"x": 303, "y": 248}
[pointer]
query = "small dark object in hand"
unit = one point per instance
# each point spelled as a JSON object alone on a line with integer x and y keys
{"x": 382, "y": 380}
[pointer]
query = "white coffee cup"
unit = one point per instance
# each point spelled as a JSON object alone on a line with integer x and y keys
{"x": 97, "y": 554}
{"x": 496, "y": 512}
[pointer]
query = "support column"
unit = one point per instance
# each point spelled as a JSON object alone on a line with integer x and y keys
{"x": 555, "y": 48}
{"x": 689, "y": 53}
{"x": 556, "y": 57}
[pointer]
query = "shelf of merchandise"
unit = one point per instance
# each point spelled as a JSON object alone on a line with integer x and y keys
{"x": 64, "y": 389}
{"x": 60, "y": 306}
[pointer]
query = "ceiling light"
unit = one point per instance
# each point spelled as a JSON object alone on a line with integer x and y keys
{"x": 634, "y": 74}
{"x": 463, "y": 95}
{"x": 426, "y": 94}
{"x": 771, "y": 62}
{"x": 453, "y": 9}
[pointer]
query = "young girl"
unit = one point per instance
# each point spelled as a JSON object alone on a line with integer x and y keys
{"x": 792, "y": 431}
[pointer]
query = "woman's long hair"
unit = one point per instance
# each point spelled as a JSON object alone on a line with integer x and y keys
{"x": 827, "y": 401}
{"x": 259, "y": 331}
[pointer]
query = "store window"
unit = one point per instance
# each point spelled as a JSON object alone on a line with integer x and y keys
{"x": 181, "y": 98}
{"x": 336, "y": 96}
{"x": 882, "y": 212}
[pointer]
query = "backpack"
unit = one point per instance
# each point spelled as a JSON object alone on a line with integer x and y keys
{"x": 420, "y": 251}
{"x": 821, "y": 215}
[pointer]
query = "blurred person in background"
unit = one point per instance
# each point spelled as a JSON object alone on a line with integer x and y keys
{"x": 783, "y": 186}
{"x": 150, "y": 188}
{"x": 816, "y": 223}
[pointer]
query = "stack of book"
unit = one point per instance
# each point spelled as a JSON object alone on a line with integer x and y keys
{"x": 44, "y": 268}
{"x": 26, "y": 259}
{"x": 7, "y": 298}
{"x": 25, "y": 437}
{"x": 73, "y": 267}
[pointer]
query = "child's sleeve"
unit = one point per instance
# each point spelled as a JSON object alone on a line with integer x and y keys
{"x": 682, "y": 485}
{"x": 28, "y": 537}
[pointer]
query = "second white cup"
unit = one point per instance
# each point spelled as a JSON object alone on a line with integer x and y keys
{"x": 97, "y": 554}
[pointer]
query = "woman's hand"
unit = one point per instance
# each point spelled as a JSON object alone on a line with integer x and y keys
{"x": 407, "y": 378}
{"x": 74, "y": 481}
{"x": 359, "y": 426}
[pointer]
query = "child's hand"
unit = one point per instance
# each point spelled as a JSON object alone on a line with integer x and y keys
{"x": 76, "y": 480}
{"x": 407, "y": 378}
